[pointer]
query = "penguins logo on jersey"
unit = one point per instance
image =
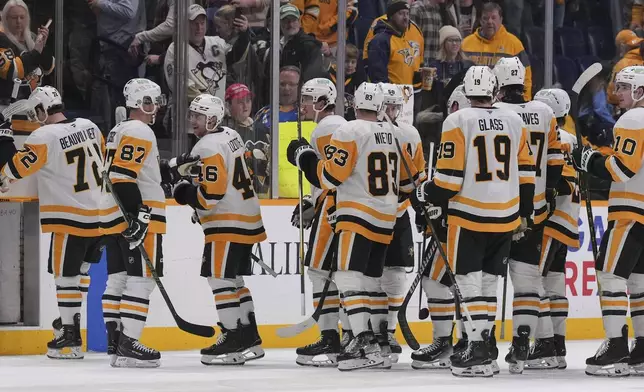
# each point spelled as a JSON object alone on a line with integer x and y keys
{"x": 212, "y": 73}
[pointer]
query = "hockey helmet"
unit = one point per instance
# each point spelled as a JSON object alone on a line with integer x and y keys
{"x": 45, "y": 97}
{"x": 633, "y": 76}
{"x": 320, "y": 88}
{"x": 140, "y": 91}
{"x": 556, "y": 98}
{"x": 211, "y": 107}
{"x": 368, "y": 97}
{"x": 509, "y": 71}
{"x": 479, "y": 81}
{"x": 392, "y": 99}
{"x": 458, "y": 97}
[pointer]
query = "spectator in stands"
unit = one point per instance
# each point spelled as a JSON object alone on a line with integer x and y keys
{"x": 354, "y": 76}
{"x": 595, "y": 113}
{"x": 637, "y": 15}
{"x": 393, "y": 57}
{"x": 80, "y": 24}
{"x": 298, "y": 48}
{"x": 310, "y": 14}
{"x": 628, "y": 46}
{"x": 239, "y": 102}
{"x": 492, "y": 41}
{"x": 289, "y": 84}
{"x": 254, "y": 10}
{"x": 427, "y": 15}
{"x": 466, "y": 17}
{"x": 162, "y": 32}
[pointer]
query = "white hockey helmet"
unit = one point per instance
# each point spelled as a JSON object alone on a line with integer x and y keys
{"x": 392, "y": 99}
{"x": 368, "y": 97}
{"x": 633, "y": 76}
{"x": 320, "y": 88}
{"x": 479, "y": 81}
{"x": 211, "y": 107}
{"x": 556, "y": 98}
{"x": 141, "y": 91}
{"x": 458, "y": 97}
{"x": 509, "y": 71}
{"x": 45, "y": 97}
{"x": 568, "y": 140}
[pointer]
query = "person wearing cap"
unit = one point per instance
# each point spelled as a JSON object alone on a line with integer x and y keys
{"x": 298, "y": 48}
{"x": 393, "y": 57}
{"x": 629, "y": 46}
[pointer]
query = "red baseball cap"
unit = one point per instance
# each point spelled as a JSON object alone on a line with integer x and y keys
{"x": 237, "y": 90}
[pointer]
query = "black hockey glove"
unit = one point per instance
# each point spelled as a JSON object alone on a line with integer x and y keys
{"x": 296, "y": 148}
{"x": 308, "y": 212}
{"x": 187, "y": 165}
{"x": 551, "y": 201}
{"x": 169, "y": 174}
{"x": 135, "y": 233}
{"x": 581, "y": 157}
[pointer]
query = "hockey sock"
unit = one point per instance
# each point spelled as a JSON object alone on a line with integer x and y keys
{"x": 471, "y": 288}
{"x": 69, "y": 297}
{"x": 544, "y": 324}
{"x": 135, "y": 303}
{"x": 330, "y": 308}
{"x": 227, "y": 301}
{"x": 378, "y": 303}
{"x": 393, "y": 283}
{"x": 355, "y": 299}
{"x": 636, "y": 290}
{"x": 344, "y": 319}
{"x": 490, "y": 284}
{"x": 246, "y": 305}
{"x": 441, "y": 306}
{"x": 555, "y": 286}
{"x": 525, "y": 307}
{"x": 112, "y": 297}
{"x": 85, "y": 280}
{"x": 614, "y": 303}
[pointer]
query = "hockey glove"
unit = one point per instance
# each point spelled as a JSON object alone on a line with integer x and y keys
{"x": 521, "y": 233}
{"x": 295, "y": 150}
{"x": 169, "y": 174}
{"x": 180, "y": 190}
{"x": 138, "y": 228}
{"x": 417, "y": 197}
{"x": 6, "y": 135}
{"x": 308, "y": 211}
{"x": 581, "y": 158}
{"x": 551, "y": 200}
{"x": 188, "y": 165}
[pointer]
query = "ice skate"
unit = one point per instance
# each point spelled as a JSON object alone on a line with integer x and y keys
{"x": 347, "y": 336}
{"x": 434, "y": 356}
{"x": 474, "y": 361}
{"x": 396, "y": 350}
{"x": 362, "y": 352}
{"x": 560, "y": 350}
{"x": 494, "y": 350}
{"x": 67, "y": 342}
{"x": 636, "y": 361}
{"x": 385, "y": 351}
{"x": 113, "y": 335}
{"x": 519, "y": 350}
{"x": 612, "y": 358}
{"x": 131, "y": 353}
{"x": 228, "y": 350}
{"x": 462, "y": 343}
{"x": 542, "y": 355}
{"x": 327, "y": 349}
{"x": 252, "y": 342}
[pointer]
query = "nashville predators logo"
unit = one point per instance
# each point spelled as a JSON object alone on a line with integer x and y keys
{"x": 409, "y": 54}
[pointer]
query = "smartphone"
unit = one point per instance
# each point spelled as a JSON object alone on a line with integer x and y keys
{"x": 238, "y": 13}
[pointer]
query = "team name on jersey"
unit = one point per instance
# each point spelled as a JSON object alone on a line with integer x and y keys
{"x": 235, "y": 144}
{"x": 383, "y": 138}
{"x": 490, "y": 124}
{"x": 77, "y": 138}
{"x": 530, "y": 118}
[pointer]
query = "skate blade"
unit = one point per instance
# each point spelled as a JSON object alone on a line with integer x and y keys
{"x": 386, "y": 364}
{"x": 516, "y": 368}
{"x": 440, "y": 364}
{"x": 612, "y": 370}
{"x": 125, "y": 362}
{"x": 232, "y": 359}
{"x": 495, "y": 367}
{"x": 253, "y": 353}
{"x": 65, "y": 353}
{"x": 370, "y": 361}
{"x": 561, "y": 363}
{"x": 309, "y": 360}
{"x": 473, "y": 371}
{"x": 637, "y": 370}
{"x": 545, "y": 363}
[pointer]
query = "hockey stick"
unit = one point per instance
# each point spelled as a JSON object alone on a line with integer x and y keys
{"x": 18, "y": 107}
{"x": 296, "y": 329}
{"x": 195, "y": 329}
{"x": 423, "y": 313}
{"x": 505, "y": 294}
{"x": 300, "y": 196}
{"x": 264, "y": 266}
{"x": 584, "y": 178}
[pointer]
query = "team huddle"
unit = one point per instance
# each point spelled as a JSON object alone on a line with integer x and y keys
{"x": 502, "y": 199}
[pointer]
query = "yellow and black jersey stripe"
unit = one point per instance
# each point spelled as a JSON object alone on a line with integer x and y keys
{"x": 112, "y": 221}
{"x": 237, "y": 228}
{"x": 129, "y": 158}
{"x": 70, "y": 220}
{"x": 361, "y": 219}
{"x": 26, "y": 162}
{"x": 450, "y": 165}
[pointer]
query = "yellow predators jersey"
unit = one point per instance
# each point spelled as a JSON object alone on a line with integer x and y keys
{"x": 320, "y": 139}
{"x": 409, "y": 139}
{"x": 626, "y": 198}
{"x": 227, "y": 204}
{"x": 563, "y": 224}
{"x": 67, "y": 160}
{"x": 483, "y": 159}
{"x": 132, "y": 156}
{"x": 544, "y": 142}
{"x": 364, "y": 168}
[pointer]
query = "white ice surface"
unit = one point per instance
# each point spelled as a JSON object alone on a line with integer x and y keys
{"x": 182, "y": 372}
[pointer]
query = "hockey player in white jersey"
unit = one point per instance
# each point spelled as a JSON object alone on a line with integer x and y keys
{"x": 132, "y": 158}
{"x": 318, "y": 105}
{"x": 228, "y": 209}
{"x": 65, "y": 155}
{"x": 561, "y": 231}
{"x": 543, "y": 140}
{"x": 364, "y": 168}
{"x": 486, "y": 172}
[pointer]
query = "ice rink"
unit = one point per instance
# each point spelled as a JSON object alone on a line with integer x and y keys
{"x": 182, "y": 372}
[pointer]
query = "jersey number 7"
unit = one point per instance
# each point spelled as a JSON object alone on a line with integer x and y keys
{"x": 79, "y": 157}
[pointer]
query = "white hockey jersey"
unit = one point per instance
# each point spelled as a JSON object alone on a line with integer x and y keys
{"x": 132, "y": 155}
{"x": 483, "y": 158}
{"x": 66, "y": 158}
{"x": 409, "y": 139}
{"x": 540, "y": 121}
{"x": 364, "y": 168}
{"x": 228, "y": 206}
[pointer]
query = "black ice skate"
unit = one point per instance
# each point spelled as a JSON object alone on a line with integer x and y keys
{"x": 474, "y": 361}
{"x": 560, "y": 351}
{"x": 612, "y": 358}
{"x": 228, "y": 350}
{"x": 636, "y": 361}
{"x": 347, "y": 337}
{"x": 542, "y": 355}
{"x": 327, "y": 348}
{"x": 113, "y": 335}
{"x": 519, "y": 350}
{"x": 362, "y": 352}
{"x": 252, "y": 342}
{"x": 462, "y": 343}
{"x": 396, "y": 350}
{"x": 131, "y": 353}
{"x": 434, "y": 356}
{"x": 494, "y": 350}
{"x": 67, "y": 343}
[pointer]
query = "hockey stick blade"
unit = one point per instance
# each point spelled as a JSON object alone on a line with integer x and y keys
{"x": 585, "y": 77}
{"x": 194, "y": 329}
